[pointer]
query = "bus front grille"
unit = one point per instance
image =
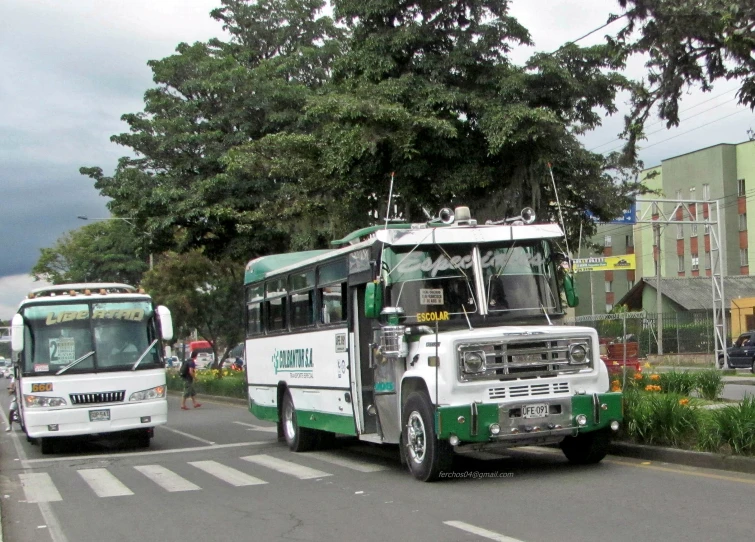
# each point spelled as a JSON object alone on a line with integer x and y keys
{"x": 96, "y": 398}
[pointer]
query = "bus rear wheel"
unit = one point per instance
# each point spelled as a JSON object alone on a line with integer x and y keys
{"x": 298, "y": 439}
{"x": 586, "y": 448}
{"x": 425, "y": 454}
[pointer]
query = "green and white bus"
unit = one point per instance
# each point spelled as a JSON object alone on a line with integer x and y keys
{"x": 443, "y": 337}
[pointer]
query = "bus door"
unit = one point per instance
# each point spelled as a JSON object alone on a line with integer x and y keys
{"x": 363, "y": 381}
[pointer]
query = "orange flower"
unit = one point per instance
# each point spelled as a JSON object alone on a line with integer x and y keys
{"x": 655, "y": 377}
{"x": 651, "y": 387}
{"x": 683, "y": 402}
{"x": 637, "y": 376}
{"x": 615, "y": 385}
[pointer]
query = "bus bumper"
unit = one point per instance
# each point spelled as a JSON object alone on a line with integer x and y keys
{"x": 518, "y": 424}
{"x": 68, "y": 422}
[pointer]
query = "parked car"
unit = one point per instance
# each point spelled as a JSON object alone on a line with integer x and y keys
{"x": 6, "y": 368}
{"x": 741, "y": 355}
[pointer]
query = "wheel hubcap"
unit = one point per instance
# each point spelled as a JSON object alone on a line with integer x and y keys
{"x": 288, "y": 421}
{"x": 416, "y": 437}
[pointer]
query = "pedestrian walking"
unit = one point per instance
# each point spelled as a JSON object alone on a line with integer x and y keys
{"x": 188, "y": 372}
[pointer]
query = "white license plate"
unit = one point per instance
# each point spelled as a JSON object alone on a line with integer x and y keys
{"x": 99, "y": 415}
{"x": 538, "y": 410}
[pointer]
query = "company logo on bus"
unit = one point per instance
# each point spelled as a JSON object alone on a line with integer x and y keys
{"x": 298, "y": 361}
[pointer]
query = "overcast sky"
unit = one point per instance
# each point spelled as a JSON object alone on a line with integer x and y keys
{"x": 71, "y": 69}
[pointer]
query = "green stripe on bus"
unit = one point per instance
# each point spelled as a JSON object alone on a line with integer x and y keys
{"x": 337, "y": 423}
{"x": 261, "y": 412}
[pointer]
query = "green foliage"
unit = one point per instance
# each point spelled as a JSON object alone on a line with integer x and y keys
{"x": 686, "y": 43}
{"x": 107, "y": 251}
{"x": 678, "y": 382}
{"x": 660, "y": 418}
{"x": 286, "y": 136}
{"x": 709, "y": 384}
{"x": 735, "y": 426}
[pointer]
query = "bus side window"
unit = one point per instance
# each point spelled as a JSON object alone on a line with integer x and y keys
{"x": 332, "y": 303}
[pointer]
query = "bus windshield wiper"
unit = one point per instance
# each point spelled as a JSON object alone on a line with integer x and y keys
{"x": 143, "y": 355}
{"x": 75, "y": 362}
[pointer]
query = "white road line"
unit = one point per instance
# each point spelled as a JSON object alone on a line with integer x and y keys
{"x": 103, "y": 483}
{"x": 354, "y": 464}
{"x": 478, "y": 531}
{"x": 258, "y": 427}
{"x": 227, "y": 474}
{"x": 38, "y": 487}
{"x": 167, "y": 479}
{"x": 188, "y": 435}
{"x": 27, "y": 462}
{"x": 286, "y": 467}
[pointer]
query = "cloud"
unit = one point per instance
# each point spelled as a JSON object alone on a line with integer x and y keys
{"x": 13, "y": 290}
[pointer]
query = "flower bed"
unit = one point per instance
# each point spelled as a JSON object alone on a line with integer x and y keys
{"x": 659, "y": 409}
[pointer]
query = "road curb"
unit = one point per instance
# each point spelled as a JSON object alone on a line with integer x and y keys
{"x": 214, "y": 398}
{"x": 690, "y": 458}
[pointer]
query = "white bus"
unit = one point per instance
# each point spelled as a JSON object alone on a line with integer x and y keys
{"x": 442, "y": 337}
{"x": 88, "y": 361}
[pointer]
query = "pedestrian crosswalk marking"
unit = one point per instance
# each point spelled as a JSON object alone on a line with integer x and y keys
{"x": 167, "y": 479}
{"x": 38, "y": 487}
{"x": 103, "y": 483}
{"x": 341, "y": 461}
{"x": 286, "y": 467}
{"x": 227, "y": 474}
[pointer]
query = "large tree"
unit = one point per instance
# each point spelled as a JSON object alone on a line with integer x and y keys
{"x": 425, "y": 91}
{"x": 210, "y": 98}
{"x": 287, "y": 135}
{"x": 688, "y": 43}
{"x": 107, "y": 251}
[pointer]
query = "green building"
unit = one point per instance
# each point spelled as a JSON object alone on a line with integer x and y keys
{"x": 719, "y": 173}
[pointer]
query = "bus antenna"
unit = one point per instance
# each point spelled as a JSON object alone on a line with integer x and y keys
{"x": 390, "y": 196}
{"x": 560, "y": 214}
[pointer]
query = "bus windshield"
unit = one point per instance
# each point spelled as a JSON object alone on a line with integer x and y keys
{"x": 519, "y": 279}
{"x": 108, "y": 336}
{"x": 438, "y": 282}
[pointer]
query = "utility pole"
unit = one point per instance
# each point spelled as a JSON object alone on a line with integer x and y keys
{"x": 658, "y": 297}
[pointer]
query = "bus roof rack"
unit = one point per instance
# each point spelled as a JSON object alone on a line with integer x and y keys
{"x": 83, "y": 287}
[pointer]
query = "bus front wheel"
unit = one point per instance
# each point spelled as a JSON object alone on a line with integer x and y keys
{"x": 426, "y": 455}
{"x": 298, "y": 439}
{"x": 586, "y": 448}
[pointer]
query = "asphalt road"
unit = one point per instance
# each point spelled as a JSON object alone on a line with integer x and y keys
{"x": 216, "y": 473}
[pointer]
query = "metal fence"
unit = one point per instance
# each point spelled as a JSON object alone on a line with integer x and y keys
{"x": 683, "y": 333}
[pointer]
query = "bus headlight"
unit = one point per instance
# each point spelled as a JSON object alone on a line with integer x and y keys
{"x": 145, "y": 395}
{"x": 474, "y": 361}
{"x": 577, "y": 354}
{"x": 32, "y": 401}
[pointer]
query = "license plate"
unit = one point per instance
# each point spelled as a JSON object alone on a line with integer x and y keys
{"x": 99, "y": 415}
{"x": 539, "y": 410}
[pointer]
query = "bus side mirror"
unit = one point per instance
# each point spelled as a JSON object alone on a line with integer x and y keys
{"x": 572, "y": 298}
{"x": 373, "y": 300}
{"x": 166, "y": 322}
{"x": 17, "y": 333}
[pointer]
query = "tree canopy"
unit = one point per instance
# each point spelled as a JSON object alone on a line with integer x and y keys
{"x": 107, "y": 251}
{"x": 688, "y": 43}
{"x": 286, "y": 135}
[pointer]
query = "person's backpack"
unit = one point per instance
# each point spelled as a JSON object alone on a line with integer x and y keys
{"x": 183, "y": 372}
